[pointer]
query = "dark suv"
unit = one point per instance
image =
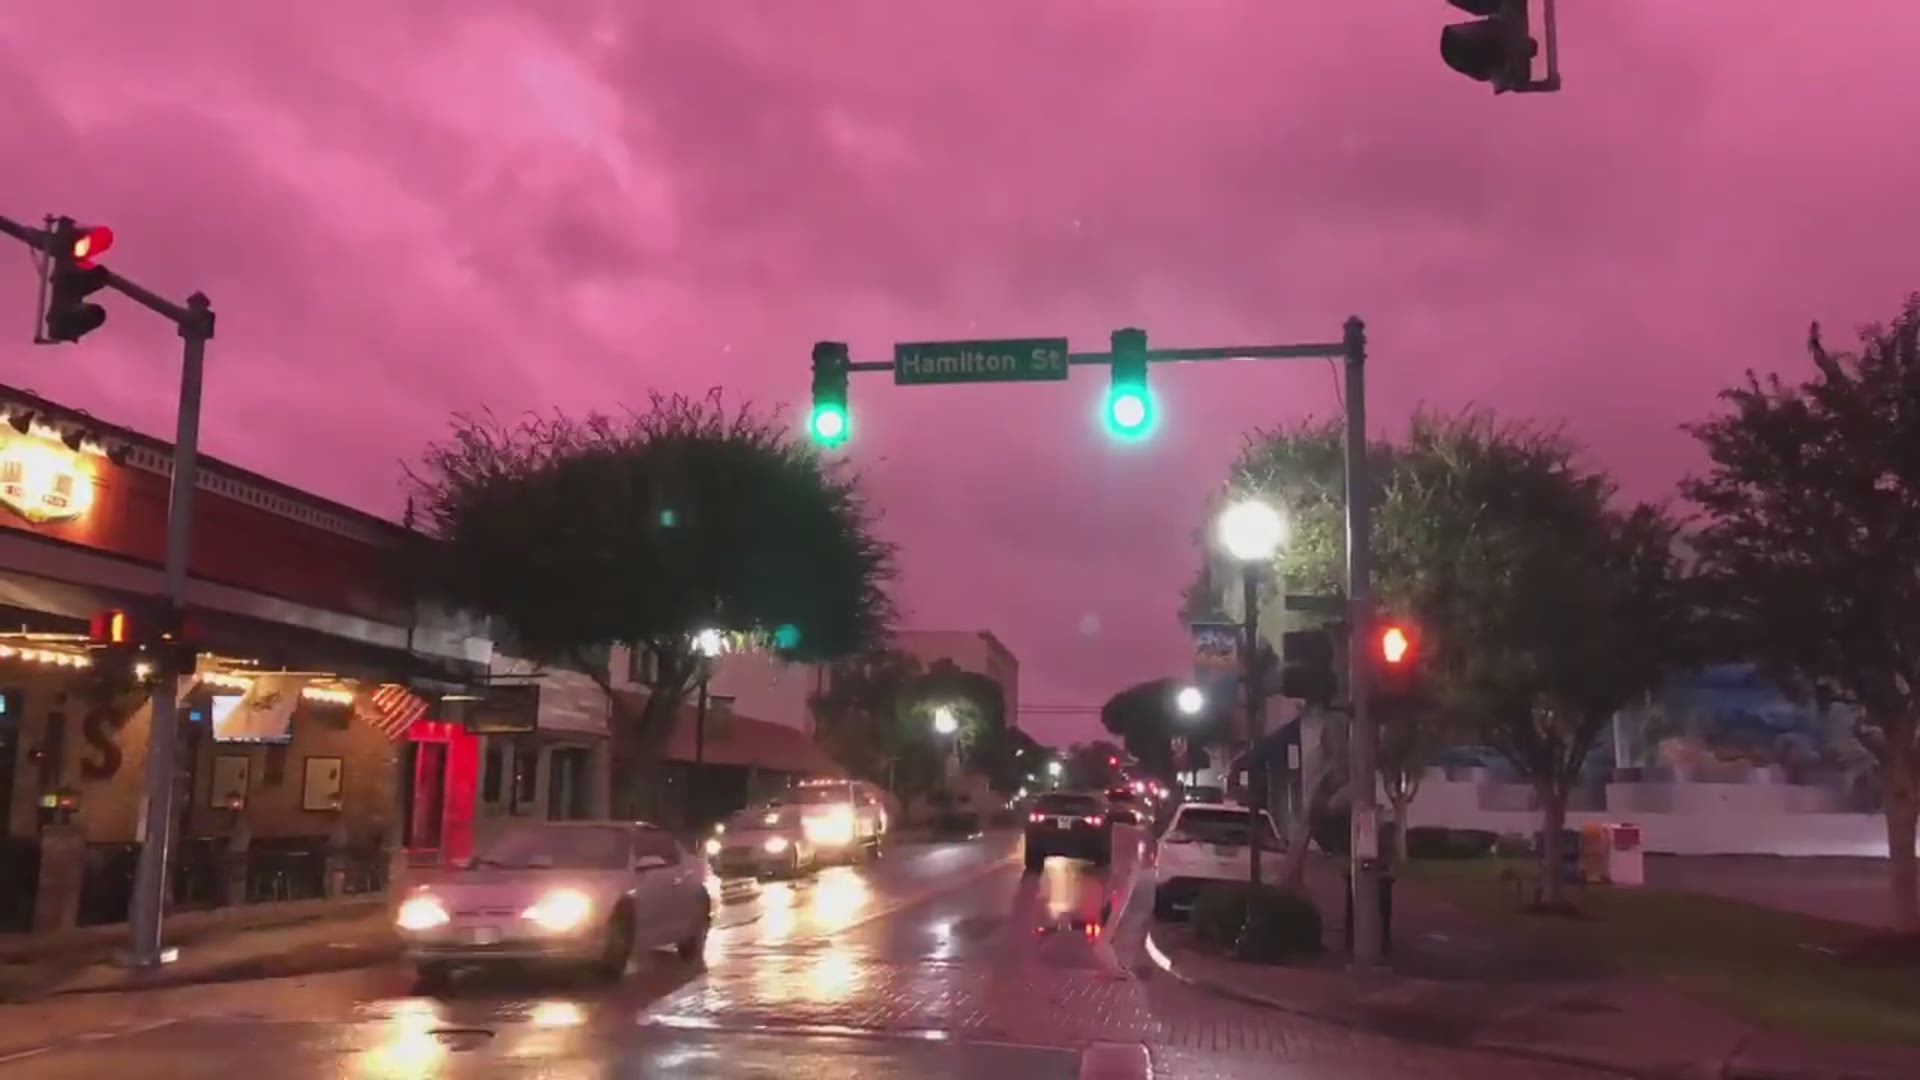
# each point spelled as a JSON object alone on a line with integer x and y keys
{"x": 1076, "y": 826}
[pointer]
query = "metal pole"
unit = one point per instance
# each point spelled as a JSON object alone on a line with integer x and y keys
{"x": 700, "y": 720}
{"x": 150, "y": 879}
{"x": 1362, "y": 770}
{"x": 1256, "y": 697}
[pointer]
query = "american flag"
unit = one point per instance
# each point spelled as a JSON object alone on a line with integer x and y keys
{"x": 395, "y": 708}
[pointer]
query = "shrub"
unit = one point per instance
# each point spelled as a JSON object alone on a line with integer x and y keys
{"x": 1429, "y": 842}
{"x": 1513, "y": 846}
{"x": 1473, "y": 843}
{"x": 1284, "y": 923}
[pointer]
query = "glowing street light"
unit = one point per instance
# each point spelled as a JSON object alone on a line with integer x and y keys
{"x": 1251, "y": 530}
{"x": 944, "y": 722}
{"x": 1189, "y": 701}
{"x": 1054, "y": 769}
{"x": 709, "y": 643}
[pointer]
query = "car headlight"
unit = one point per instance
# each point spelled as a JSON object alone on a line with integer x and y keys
{"x": 774, "y": 845}
{"x": 713, "y": 845}
{"x": 421, "y": 912}
{"x": 560, "y": 910}
{"x": 831, "y": 829}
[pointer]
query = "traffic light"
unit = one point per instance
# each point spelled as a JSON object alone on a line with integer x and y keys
{"x": 1129, "y": 402}
{"x": 1307, "y": 672}
{"x": 1494, "y": 48}
{"x": 829, "y": 423}
{"x": 1396, "y": 657}
{"x": 73, "y": 275}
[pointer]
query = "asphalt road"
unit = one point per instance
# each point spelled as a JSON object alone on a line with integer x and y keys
{"x": 941, "y": 960}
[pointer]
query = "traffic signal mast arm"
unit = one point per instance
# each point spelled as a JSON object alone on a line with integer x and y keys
{"x": 1334, "y": 351}
{"x": 189, "y": 317}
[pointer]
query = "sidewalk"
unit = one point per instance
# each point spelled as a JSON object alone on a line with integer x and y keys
{"x": 267, "y": 941}
{"x": 1454, "y": 983}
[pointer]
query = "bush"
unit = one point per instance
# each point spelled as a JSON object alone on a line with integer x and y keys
{"x": 1513, "y": 846}
{"x": 1284, "y": 923}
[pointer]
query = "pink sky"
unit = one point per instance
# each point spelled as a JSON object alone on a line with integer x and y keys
{"x": 403, "y": 210}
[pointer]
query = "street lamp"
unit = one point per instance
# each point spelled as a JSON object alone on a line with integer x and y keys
{"x": 708, "y": 644}
{"x": 1054, "y": 769}
{"x": 944, "y": 722}
{"x": 1251, "y": 531}
{"x": 1189, "y": 701}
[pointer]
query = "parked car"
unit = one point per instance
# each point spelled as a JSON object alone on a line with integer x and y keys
{"x": 1207, "y": 843}
{"x": 762, "y": 841}
{"x": 1124, "y": 806}
{"x": 1077, "y": 826}
{"x": 843, "y": 819}
{"x": 588, "y": 893}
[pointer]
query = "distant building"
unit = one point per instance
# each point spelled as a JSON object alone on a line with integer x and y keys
{"x": 977, "y": 651}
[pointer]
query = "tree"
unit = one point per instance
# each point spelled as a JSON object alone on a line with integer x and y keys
{"x": 860, "y": 719}
{"x": 1146, "y": 720}
{"x": 1543, "y": 608}
{"x": 1808, "y": 550}
{"x": 1540, "y": 608}
{"x": 647, "y": 529}
{"x": 1093, "y": 766}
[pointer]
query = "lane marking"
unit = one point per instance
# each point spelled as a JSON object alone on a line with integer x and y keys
{"x": 22, "y": 1055}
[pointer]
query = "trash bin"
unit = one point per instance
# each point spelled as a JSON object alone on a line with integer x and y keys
{"x": 1626, "y": 855}
{"x": 1386, "y": 911}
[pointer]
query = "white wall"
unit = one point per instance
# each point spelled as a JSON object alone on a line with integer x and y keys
{"x": 1764, "y": 818}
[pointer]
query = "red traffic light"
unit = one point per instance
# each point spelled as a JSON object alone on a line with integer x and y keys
{"x": 89, "y": 243}
{"x": 1395, "y": 644}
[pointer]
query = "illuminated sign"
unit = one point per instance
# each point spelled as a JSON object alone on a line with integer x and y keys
{"x": 42, "y": 480}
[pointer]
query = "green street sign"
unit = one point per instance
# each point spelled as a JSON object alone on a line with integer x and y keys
{"x": 918, "y": 363}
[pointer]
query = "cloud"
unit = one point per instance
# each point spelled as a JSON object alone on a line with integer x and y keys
{"x": 405, "y": 210}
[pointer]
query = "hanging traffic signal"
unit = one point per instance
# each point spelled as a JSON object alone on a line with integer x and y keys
{"x": 74, "y": 274}
{"x": 1396, "y": 661}
{"x": 1494, "y": 48}
{"x": 1307, "y": 671}
{"x": 1129, "y": 402}
{"x": 829, "y": 423}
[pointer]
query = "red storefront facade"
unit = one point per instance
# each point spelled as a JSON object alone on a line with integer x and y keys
{"x": 282, "y": 585}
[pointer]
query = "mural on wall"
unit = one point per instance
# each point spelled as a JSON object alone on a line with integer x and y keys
{"x": 1727, "y": 720}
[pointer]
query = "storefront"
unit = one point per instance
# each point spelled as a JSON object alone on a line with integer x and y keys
{"x": 543, "y": 735}
{"x": 309, "y": 741}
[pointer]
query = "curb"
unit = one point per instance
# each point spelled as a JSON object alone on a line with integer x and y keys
{"x": 1206, "y": 985}
{"x": 341, "y": 958}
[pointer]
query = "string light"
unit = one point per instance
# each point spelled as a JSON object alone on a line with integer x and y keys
{"x": 327, "y": 695}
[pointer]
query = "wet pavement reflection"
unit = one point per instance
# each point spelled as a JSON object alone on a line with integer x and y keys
{"x": 938, "y": 960}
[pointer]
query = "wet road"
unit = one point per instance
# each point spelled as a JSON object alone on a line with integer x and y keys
{"x": 941, "y": 960}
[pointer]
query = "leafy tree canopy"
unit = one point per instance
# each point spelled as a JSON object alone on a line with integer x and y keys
{"x": 651, "y": 526}
{"x": 1808, "y": 550}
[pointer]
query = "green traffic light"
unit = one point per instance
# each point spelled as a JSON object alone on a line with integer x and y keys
{"x": 1129, "y": 413}
{"x": 829, "y": 424}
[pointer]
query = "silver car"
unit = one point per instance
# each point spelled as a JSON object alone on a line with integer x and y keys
{"x": 574, "y": 892}
{"x": 762, "y": 841}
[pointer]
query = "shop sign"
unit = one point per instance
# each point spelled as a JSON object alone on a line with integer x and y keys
{"x": 42, "y": 480}
{"x": 507, "y": 709}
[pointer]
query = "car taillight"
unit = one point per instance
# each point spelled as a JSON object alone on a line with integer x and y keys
{"x": 1093, "y": 819}
{"x": 1036, "y": 818}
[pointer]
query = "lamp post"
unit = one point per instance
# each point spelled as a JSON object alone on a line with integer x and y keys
{"x": 707, "y": 647}
{"x": 1251, "y": 531}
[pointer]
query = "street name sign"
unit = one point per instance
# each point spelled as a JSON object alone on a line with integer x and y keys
{"x": 917, "y": 363}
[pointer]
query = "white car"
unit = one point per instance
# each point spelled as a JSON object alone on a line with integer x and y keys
{"x": 1206, "y": 843}
{"x": 569, "y": 892}
{"x": 841, "y": 819}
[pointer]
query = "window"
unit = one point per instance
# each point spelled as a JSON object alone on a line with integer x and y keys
{"x": 655, "y": 842}
{"x": 1069, "y": 804}
{"x": 491, "y": 775}
{"x": 570, "y": 847}
{"x": 642, "y": 666}
{"x": 526, "y": 773}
